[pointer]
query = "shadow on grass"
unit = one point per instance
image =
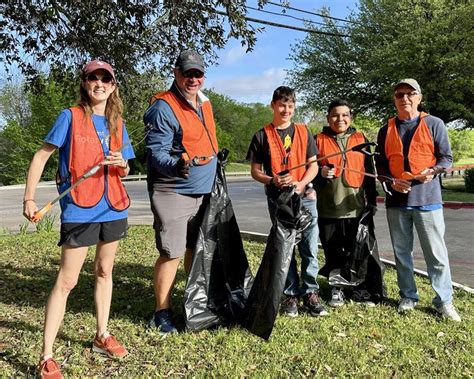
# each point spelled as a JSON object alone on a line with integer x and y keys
{"x": 133, "y": 295}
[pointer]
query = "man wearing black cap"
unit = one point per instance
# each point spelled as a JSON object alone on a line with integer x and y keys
{"x": 413, "y": 148}
{"x": 181, "y": 148}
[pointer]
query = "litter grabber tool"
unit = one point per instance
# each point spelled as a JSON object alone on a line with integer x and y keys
{"x": 388, "y": 178}
{"x": 196, "y": 161}
{"x": 361, "y": 148}
{"x": 40, "y": 214}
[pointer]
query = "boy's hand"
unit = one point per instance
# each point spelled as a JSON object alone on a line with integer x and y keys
{"x": 327, "y": 172}
{"x": 283, "y": 180}
{"x": 299, "y": 187}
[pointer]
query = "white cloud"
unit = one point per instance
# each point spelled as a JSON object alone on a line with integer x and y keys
{"x": 250, "y": 88}
{"x": 234, "y": 54}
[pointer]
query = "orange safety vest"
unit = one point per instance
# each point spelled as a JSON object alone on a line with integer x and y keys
{"x": 86, "y": 152}
{"x": 199, "y": 138}
{"x": 420, "y": 153}
{"x": 352, "y": 160}
{"x": 280, "y": 159}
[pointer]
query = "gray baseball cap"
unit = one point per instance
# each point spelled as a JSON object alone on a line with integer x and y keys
{"x": 410, "y": 82}
{"x": 189, "y": 59}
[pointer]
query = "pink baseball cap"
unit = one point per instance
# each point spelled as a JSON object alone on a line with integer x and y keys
{"x": 97, "y": 65}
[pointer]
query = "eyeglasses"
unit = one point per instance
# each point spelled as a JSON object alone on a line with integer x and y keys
{"x": 105, "y": 79}
{"x": 401, "y": 95}
{"x": 193, "y": 74}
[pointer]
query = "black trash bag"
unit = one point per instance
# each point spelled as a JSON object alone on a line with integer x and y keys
{"x": 291, "y": 218}
{"x": 365, "y": 268}
{"x": 220, "y": 279}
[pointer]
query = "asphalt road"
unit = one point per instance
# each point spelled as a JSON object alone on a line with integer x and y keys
{"x": 250, "y": 208}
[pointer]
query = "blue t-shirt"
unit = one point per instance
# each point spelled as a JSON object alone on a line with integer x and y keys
{"x": 60, "y": 136}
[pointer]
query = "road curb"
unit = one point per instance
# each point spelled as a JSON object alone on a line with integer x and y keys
{"x": 446, "y": 204}
{"x": 262, "y": 238}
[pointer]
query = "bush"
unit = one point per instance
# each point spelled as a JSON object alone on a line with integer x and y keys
{"x": 469, "y": 180}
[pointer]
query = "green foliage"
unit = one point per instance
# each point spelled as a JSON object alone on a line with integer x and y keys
{"x": 462, "y": 143}
{"x": 129, "y": 34}
{"x": 353, "y": 341}
{"x": 238, "y": 123}
{"x": 42, "y": 100}
{"x": 431, "y": 41}
{"x": 369, "y": 126}
{"x": 135, "y": 90}
{"x": 469, "y": 180}
{"x": 47, "y": 223}
{"x": 24, "y": 227}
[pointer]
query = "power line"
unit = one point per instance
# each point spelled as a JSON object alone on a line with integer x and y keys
{"x": 278, "y": 25}
{"x": 286, "y": 15}
{"x": 312, "y": 13}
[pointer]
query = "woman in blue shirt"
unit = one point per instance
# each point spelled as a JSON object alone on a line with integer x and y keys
{"x": 95, "y": 212}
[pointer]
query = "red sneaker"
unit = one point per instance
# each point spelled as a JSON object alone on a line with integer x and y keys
{"x": 109, "y": 346}
{"x": 49, "y": 369}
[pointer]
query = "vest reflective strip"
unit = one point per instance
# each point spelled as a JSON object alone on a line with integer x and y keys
{"x": 354, "y": 160}
{"x": 197, "y": 141}
{"x": 297, "y": 154}
{"x": 86, "y": 152}
{"x": 420, "y": 152}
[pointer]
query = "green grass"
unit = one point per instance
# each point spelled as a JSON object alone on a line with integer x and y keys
{"x": 352, "y": 341}
{"x": 237, "y": 167}
{"x": 464, "y": 161}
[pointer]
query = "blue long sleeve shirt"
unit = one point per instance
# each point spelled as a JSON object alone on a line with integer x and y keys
{"x": 164, "y": 148}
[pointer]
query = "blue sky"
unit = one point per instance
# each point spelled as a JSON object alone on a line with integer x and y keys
{"x": 252, "y": 77}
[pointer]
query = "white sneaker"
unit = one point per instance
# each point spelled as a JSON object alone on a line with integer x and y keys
{"x": 448, "y": 311}
{"x": 337, "y": 298}
{"x": 406, "y": 305}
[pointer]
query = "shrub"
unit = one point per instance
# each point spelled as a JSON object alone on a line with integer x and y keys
{"x": 469, "y": 180}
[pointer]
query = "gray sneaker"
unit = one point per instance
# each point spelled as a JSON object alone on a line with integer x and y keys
{"x": 449, "y": 312}
{"x": 289, "y": 306}
{"x": 406, "y": 305}
{"x": 337, "y": 298}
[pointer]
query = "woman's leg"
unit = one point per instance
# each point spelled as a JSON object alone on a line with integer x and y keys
{"x": 103, "y": 266}
{"x": 72, "y": 260}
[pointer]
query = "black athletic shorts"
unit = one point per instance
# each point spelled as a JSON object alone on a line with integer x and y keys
{"x": 90, "y": 233}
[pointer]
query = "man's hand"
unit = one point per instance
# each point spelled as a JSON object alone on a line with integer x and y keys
{"x": 401, "y": 185}
{"x": 426, "y": 175}
{"x": 182, "y": 168}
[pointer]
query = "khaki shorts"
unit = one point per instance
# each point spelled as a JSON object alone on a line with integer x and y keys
{"x": 177, "y": 221}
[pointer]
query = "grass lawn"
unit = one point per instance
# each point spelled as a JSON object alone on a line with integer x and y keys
{"x": 352, "y": 341}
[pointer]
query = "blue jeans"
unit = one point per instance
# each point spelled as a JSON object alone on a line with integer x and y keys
{"x": 308, "y": 249}
{"x": 430, "y": 229}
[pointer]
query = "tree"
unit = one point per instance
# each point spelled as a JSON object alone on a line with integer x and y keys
{"x": 25, "y": 129}
{"x": 131, "y": 35}
{"x": 462, "y": 143}
{"x": 432, "y": 41}
{"x": 238, "y": 121}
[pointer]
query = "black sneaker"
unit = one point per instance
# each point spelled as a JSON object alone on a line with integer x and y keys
{"x": 163, "y": 321}
{"x": 363, "y": 296}
{"x": 289, "y": 306}
{"x": 312, "y": 302}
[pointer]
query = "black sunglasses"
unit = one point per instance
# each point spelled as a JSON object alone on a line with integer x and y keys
{"x": 410, "y": 95}
{"x": 193, "y": 74}
{"x": 105, "y": 79}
